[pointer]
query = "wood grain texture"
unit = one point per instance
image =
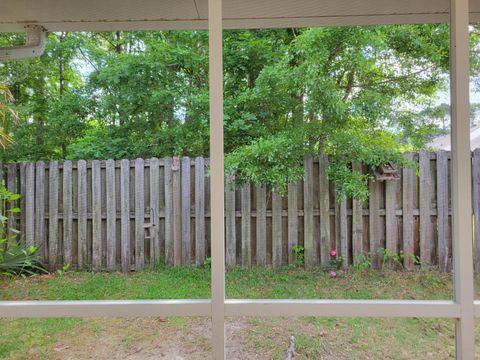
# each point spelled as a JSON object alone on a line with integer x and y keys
{"x": 343, "y": 233}
{"x": 292, "y": 221}
{"x": 168, "y": 184}
{"x": 310, "y": 258}
{"x": 125, "y": 215}
{"x": 186, "y": 205}
{"x": 408, "y": 178}
{"x": 111, "y": 214}
{"x": 40, "y": 239}
{"x": 426, "y": 243}
{"x": 96, "y": 216}
{"x": 155, "y": 254}
{"x": 67, "y": 212}
{"x": 53, "y": 241}
{"x": 82, "y": 194}
{"x": 30, "y": 204}
{"x": 200, "y": 240}
{"x": 246, "y": 226}
{"x": 357, "y": 223}
{"x": 373, "y": 223}
{"x": 276, "y": 229}
{"x": 177, "y": 215}
{"x": 391, "y": 228}
{"x": 230, "y": 220}
{"x": 139, "y": 214}
{"x": 443, "y": 249}
{"x": 261, "y": 228}
{"x": 324, "y": 206}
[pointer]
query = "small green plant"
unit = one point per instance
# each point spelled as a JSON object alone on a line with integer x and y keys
{"x": 299, "y": 252}
{"x": 15, "y": 258}
{"x": 65, "y": 268}
{"x": 208, "y": 262}
{"x": 391, "y": 259}
{"x": 415, "y": 259}
{"x": 363, "y": 262}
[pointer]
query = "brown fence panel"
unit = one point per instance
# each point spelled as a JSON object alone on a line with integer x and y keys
{"x": 112, "y": 215}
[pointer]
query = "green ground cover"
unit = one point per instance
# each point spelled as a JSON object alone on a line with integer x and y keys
{"x": 262, "y": 338}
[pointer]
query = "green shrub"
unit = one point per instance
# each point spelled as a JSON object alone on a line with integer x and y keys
{"x": 15, "y": 258}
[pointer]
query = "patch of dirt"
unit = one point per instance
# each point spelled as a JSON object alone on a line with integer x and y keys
{"x": 148, "y": 339}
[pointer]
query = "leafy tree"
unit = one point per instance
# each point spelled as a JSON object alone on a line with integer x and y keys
{"x": 356, "y": 93}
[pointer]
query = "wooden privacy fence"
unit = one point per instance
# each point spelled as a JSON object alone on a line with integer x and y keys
{"x": 124, "y": 215}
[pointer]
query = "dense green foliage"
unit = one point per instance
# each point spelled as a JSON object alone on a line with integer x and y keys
{"x": 357, "y": 93}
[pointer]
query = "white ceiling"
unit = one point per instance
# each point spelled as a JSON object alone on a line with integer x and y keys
{"x": 75, "y": 15}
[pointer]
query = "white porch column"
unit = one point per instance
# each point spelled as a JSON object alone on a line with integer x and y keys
{"x": 217, "y": 178}
{"x": 461, "y": 178}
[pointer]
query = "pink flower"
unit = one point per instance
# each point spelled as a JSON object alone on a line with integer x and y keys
{"x": 333, "y": 274}
{"x": 333, "y": 252}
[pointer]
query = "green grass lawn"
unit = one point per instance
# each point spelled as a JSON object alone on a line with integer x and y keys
{"x": 262, "y": 338}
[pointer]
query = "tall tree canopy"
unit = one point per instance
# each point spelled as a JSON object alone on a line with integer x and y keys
{"x": 356, "y": 93}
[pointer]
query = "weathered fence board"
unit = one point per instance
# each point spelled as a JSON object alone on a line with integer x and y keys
{"x": 308, "y": 241}
{"x": 276, "y": 229}
{"x": 39, "y": 214}
{"x": 30, "y": 204}
{"x": 139, "y": 214}
{"x": 324, "y": 198}
{"x": 200, "y": 250}
{"x": 155, "y": 187}
{"x": 177, "y": 220}
{"x": 261, "y": 229}
{"x": 96, "y": 216}
{"x": 168, "y": 182}
{"x": 443, "y": 251}
{"x": 408, "y": 177}
{"x": 230, "y": 236}
{"x": 112, "y": 215}
{"x": 357, "y": 223}
{"x": 53, "y": 216}
{"x": 292, "y": 221}
{"x": 246, "y": 226}
{"x": 125, "y": 215}
{"x": 186, "y": 233}
{"x": 67, "y": 212}
{"x": 426, "y": 240}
